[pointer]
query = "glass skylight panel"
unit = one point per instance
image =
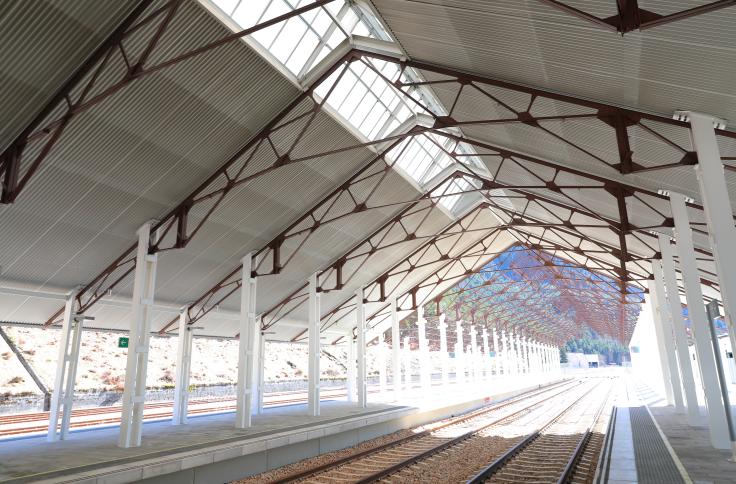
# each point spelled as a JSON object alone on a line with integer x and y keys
{"x": 363, "y": 94}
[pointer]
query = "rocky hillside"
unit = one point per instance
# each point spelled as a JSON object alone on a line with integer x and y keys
{"x": 102, "y": 363}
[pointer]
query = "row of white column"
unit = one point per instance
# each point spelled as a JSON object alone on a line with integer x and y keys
{"x": 519, "y": 355}
{"x": 672, "y": 338}
{"x": 515, "y": 356}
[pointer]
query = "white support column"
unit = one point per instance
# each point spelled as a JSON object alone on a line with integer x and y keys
{"x": 314, "y": 347}
{"x": 425, "y": 374}
{"x": 459, "y": 353}
{"x": 183, "y": 366}
{"x": 360, "y": 328}
{"x": 258, "y": 385}
{"x": 496, "y": 354}
{"x": 532, "y": 356}
{"x": 63, "y": 391}
{"x": 513, "y": 355}
{"x": 662, "y": 309}
{"x": 683, "y": 352}
{"x": 486, "y": 355}
{"x": 382, "y": 363}
{"x": 351, "y": 366}
{"x": 248, "y": 335}
{"x": 474, "y": 353}
{"x": 406, "y": 356}
{"x": 718, "y": 214}
{"x": 525, "y": 354}
{"x": 545, "y": 358}
{"x": 538, "y": 355}
{"x": 651, "y": 299}
{"x": 396, "y": 348}
{"x": 719, "y": 436}
{"x": 504, "y": 353}
{"x": 519, "y": 353}
{"x": 134, "y": 394}
{"x": 444, "y": 356}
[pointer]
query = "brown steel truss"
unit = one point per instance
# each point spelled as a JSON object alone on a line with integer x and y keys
{"x": 631, "y": 17}
{"x": 101, "y": 76}
{"x": 280, "y": 144}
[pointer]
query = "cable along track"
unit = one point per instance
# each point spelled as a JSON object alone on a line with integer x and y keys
{"x": 554, "y": 453}
{"x": 373, "y": 464}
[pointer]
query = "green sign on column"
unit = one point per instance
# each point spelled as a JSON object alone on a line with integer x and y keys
{"x": 123, "y": 342}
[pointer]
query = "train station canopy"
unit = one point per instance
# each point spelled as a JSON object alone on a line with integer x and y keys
{"x": 398, "y": 146}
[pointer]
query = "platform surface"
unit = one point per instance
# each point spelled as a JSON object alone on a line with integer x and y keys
{"x": 655, "y": 444}
{"x": 98, "y": 448}
{"x": 29, "y": 459}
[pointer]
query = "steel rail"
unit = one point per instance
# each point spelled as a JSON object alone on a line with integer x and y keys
{"x": 395, "y": 443}
{"x": 501, "y": 461}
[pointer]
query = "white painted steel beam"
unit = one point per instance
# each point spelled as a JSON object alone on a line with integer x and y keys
{"x": 678, "y": 326}
{"x": 425, "y": 374}
{"x": 62, "y": 397}
{"x": 183, "y": 367}
{"x": 361, "y": 347}
{"x": 314, "y": 348}
{"x": 444, "y": 355}
{"x": 249, "y": 331}
{"x": 663, "y": 310}
{"x": 718, "y": 214}
{"x": 134, "y": 394}
{"x": 719, "y": 436}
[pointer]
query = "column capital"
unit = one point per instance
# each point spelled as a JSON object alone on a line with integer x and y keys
{"x": 695, "y": 116}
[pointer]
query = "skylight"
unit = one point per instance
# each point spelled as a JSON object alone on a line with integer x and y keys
{"x": 363, "y": 95}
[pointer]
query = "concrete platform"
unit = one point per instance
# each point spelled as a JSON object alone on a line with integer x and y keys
{"x": 690, "y": 452}
{"x": 702, "y": 463}
{"x": 209, "y": 449}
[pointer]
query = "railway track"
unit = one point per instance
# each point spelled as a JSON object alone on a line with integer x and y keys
{"x": 88, "y": 417}
{"x": 564, "y": 450}
{"x": 384, "y": 460}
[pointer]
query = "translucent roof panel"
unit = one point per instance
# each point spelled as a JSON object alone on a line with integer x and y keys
{"x": 362, "y": 92}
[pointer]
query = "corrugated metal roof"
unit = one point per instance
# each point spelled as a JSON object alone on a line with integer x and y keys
{"x": 43, "y": 43}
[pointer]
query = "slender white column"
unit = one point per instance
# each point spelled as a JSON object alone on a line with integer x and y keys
{"x": 504, "y": 353}
{"x": 63, "y": 394}
{"x": 260, "y": 359}
{"x": 247, "y": 346}
{"x": 486, "y": 355}
{"x": 314, "y": 347}
{"x": 651, "y": 299}
{"x": 183, "y": 365}
{"x": 525, "y": 351}
{"x": 459, "y": 353}
{"x": 496, "y": 354}
{"x": 406, "y": 354}
{"x": 524, "y": 354}
{"x": 719, "y": 436}
{"x": 396, "y": 348}
{"x": 425, "y": 374}
{"x": 382, "y": 363}
{"x": 520, "y": 354}
{"x": 360, "y": 328}
{"x": 718, "y": 214}
{"x": 134, "y": 394}
{"x": 351, "y": 365}
{"x": 444, "y": 357}
{"x": 513, "y": 356}
{"x": 473, "y": 353}
{"x": 662, "y": 309}
{"x": 683, "y": 352}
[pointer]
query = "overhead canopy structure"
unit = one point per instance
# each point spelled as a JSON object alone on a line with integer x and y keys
{"x": 389, "y": 145}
